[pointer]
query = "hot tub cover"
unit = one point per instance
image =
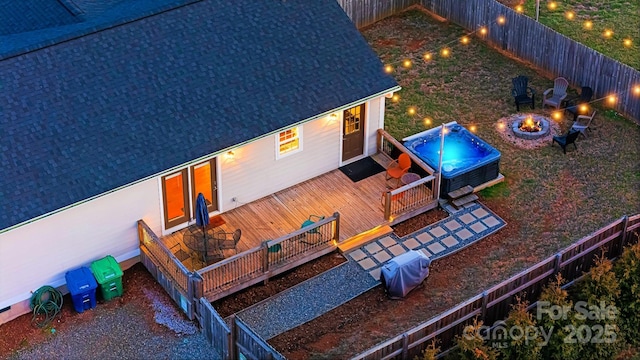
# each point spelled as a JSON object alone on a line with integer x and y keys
{"x": 403, "y": 273}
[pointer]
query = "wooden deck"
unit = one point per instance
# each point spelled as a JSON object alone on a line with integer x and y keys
{"x": 359, "y": 205}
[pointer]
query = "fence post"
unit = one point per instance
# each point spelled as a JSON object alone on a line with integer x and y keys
{"x": 405, "y": 346}
{"x": 337, "y": 221}
{"x": 387, "y": 205}
{"x": 265, "y": 260}
{"x": 557, "y": 263}
{"x": 624, "y": 238}
{"x": 485, "y": 299}
{"x": 231, "y": 339}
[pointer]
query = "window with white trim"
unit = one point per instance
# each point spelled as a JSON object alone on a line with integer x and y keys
{"x": 289, "y": 142}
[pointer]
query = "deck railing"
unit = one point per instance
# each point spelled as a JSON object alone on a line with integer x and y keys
{"x": 411, "y": 199}
{"x": 170, "y": 273}
{"x": 271, "y": 258}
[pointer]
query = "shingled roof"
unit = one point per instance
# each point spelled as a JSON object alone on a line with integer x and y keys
{"x": 86, "y": 116}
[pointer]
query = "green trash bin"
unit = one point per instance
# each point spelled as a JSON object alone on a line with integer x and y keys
{"x": 108, "y": 274}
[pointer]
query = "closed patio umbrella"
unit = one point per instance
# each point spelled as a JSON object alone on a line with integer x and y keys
{"x": 202, "y": 219}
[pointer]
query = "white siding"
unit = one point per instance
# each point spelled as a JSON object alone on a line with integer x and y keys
{"x": 375, "y": 109}
{"x": 40, "y": 253}
{"x": 254, "y": 171}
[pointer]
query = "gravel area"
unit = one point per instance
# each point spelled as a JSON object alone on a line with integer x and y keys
{"x": 143, "y": 324}
{"x": 308, "y": 300}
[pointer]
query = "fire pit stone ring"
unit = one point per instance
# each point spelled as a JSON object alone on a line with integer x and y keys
{"x": 539, "y": 120}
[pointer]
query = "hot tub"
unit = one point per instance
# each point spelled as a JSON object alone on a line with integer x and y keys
{"x": 466, "y": 159}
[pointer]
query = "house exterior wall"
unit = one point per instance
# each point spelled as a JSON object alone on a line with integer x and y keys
{"x": 41, "y": 252}
{"x": 254, "y": 171}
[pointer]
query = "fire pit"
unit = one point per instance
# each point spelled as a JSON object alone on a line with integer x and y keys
{"x": 530, "y": 126}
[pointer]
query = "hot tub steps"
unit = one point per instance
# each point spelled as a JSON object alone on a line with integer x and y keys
{"x": 460, "y": 202}
{"x": 462, "y": 196}
{"x": 460, "y": 192}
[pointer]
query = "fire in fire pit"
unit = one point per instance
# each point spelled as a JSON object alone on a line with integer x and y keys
{"x": 529, "y": 125}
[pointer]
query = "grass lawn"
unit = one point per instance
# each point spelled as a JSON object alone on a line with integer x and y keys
{"x": 622, "y": 17}
{"x": 564, "y": 197}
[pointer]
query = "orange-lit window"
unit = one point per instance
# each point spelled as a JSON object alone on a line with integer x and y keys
{"x": 289, "y": 141}
{"x": 175, "y": 199}
{"x": 204, "y": 182}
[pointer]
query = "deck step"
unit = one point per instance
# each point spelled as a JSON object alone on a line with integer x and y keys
{"x": 460, "y": 192}
{"x": 363, "y": 238}
{"x": 465, "y": 200}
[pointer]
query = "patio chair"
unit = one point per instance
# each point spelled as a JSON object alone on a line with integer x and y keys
{"x": 573, "y": 105}
{"x": 582, "y": 123}
{"x": 398, "y": 167}
{"x": 179, "y": 253}
{"x": 229, "y": 241}
{"x": 312, "y": 219}
{"x": 554, "y": 96}
{"x": 522, "y": 93}
{"x": 565, "y": 140}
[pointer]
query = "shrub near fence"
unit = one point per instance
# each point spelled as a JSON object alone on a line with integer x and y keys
{"x": 494, "y": 304}
{"x": 546, "y": 49}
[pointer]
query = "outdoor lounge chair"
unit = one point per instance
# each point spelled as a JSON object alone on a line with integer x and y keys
{"x": 398, "y": 167}
{"x": 582, "y": 123}
{"x": 522, "y": 93}
{"x": 574, "y": 105}
{"x": 565, "y": 140}
{"x": 554, "y": 96}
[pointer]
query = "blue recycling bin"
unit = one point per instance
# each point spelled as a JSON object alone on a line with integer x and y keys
{"x": 82, "y": 286}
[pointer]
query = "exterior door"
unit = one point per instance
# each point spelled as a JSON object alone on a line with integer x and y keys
{"x": 175, "y": 194}
{"x": 203, "y": 180}
{"x": 353, "y": 132}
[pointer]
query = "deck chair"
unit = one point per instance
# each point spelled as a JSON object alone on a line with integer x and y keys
{"x": 229, "y": 241}
{"x": 398, "y": 167}
{"x": 573, "y": 105}
{"x": 179, "y": 253}
{"x": 522, "y": 93}
{"x": 565, "y": 140}
{"x": 582, "y": 123}
{"x": 554, "y": 96}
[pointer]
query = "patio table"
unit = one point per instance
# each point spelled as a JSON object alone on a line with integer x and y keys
{"x": 202, "y": 242}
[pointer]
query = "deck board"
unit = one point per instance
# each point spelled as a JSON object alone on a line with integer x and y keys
{"x": 270, "y": 217}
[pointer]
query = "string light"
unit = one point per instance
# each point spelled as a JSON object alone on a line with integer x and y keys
{"x": 608, "y": 33}
{"x": 519, "y": 9}
{"x": 411, "y": 110}
{"x": 612, "y": 99}
{"x": 501, "y": 125}
{"x": 557, "y": 115}
{"x": 445, "y": 52}
{"x": 636, "y": 90}
{"x": 483, "y": 31}
{"x": 395, "y": 98}
{"x": 627, "y": 42}
{"x": 588, "y": 25}
{"x": 584, "y": 108}
{"x": 406, "y": 63}
{"x": 569, "y": 15}
{"x": 427, "y": 56}
{"x": 552, "y": 5}
{"x": 427, "y": 121}
{"x": 473, "y": 128}
{"x": 464, "y": 40}
{"x": 501, "y": 20}
{"x": 388, "y": 69}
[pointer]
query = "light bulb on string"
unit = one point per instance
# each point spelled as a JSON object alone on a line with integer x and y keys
{"x": 427, "y": 121}
{"x": 501, "y": 20}
{"x": 519, "y": 9}
{"x": 395, "y": 98}
{"x": 627, "y": 42}
{"x": 552, "y": 5}
{"x": 501, "y": 126}
{"x": 608, "y": 33}
{"x": 584, "y": 108}
{"x": 388, "y": 69}
{"x": 569, "y": 15}
{"x": 427, "y": 56}
{"x": 445, "y": 52}
{"x": 473, "y": 128}
{"x": 411, "y": 110}
{"x": 636, "y": 90}
{"x": 464, "y": 40}
{"x": 483, "y": 31}
{"x": 557, "y": 115}
{"x": 406, "y": 63}
{"x": 611, "y": 99}
{"x": 588, "y": 25}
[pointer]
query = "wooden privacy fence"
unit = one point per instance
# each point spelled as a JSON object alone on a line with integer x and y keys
{"x": 546, "y": 49}
{"x": 215, "y": 329}
{"x": 270, "y": 259}
{"x": 166, "y": 269}
{"x": 251, "y": 345}
{"x": 495, "y": 303}
{"x": 366, "y": 12}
